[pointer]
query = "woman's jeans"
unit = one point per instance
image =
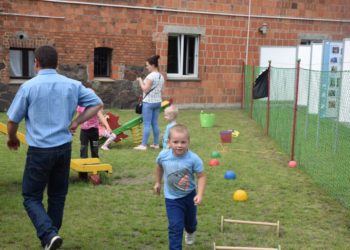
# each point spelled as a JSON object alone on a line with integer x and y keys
{"x": 182, "y": 214}
{"x": 46, "y": 167}
{"x": 150, "y": 113}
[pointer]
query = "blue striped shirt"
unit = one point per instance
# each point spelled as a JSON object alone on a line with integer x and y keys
{"x": 48, "y": 103}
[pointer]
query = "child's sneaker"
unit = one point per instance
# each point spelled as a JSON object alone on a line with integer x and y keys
{"x": 104, "y": 148}
{"x": 155, "y": 146}
{"x": 141, "y": 147}
{"x": 190, "y": 238}
{"x": 54, "y": 243}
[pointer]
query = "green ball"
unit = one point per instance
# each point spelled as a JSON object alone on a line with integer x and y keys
{"x": 215, "y": 154}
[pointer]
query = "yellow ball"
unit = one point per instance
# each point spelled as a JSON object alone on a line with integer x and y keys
{"x": 240, "y": 195}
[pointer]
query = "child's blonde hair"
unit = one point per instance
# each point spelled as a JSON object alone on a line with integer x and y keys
{"x": 173, "y": 110}
{"x": 180, "y": 128}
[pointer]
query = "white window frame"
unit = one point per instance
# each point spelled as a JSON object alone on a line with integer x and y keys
{"x": 180, "y": 55}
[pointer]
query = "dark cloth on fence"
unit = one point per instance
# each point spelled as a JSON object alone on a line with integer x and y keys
{"x": 260, "y": 89}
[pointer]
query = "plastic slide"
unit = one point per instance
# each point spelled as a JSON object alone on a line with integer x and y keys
{"x": 136, "y": 121}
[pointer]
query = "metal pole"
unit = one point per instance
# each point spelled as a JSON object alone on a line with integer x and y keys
{"x": 295, "y": 109}
{"x": 243, "y": 84}
{"x": 268, "y": 101}
{"x": 251, "y": 96}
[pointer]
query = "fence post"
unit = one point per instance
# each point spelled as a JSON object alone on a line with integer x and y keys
{"x": 268, "y": 101}
{"x": 243, "y": 84}
{"x": 251, "y": 96}
{"x": 295, "y": 109}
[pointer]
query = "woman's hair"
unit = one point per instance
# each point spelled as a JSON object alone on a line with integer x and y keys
{"x": 47, "y": 57}
{"x": 153, "y": 60}
{"x": 180, "y": 128}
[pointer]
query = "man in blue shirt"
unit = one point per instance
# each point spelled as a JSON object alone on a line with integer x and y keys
{"x": 48, "y": 103}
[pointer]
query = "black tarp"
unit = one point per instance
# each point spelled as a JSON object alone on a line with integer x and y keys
{"x": 260, "y": 89}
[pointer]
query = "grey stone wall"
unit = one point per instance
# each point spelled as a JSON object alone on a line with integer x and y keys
{"x": 121, "y": 94}
{"x": 7, "y": 93}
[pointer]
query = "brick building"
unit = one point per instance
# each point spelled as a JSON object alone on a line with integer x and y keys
{"x": 202, "y": 44}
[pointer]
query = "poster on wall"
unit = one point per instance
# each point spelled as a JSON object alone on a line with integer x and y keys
{"x": 344, "y": 103}
{"x": 331, "y": 78}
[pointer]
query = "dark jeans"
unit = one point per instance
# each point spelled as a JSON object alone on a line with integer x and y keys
{"x": 89, "y": 136}
{"x": 46, "y": 167}
{"x": 182, "y": 214}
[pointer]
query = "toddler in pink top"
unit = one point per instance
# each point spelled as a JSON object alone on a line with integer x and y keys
{"x": 91, "y": 123}
{"x": 89, "y": 134}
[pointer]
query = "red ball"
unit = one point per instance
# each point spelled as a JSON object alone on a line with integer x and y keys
{"x": 292, "y": 164}
{"x": 214, "y": 162}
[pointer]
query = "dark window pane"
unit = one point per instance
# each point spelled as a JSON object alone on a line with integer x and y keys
{"x": 102, "y": 62}
{"x": 172, "y": 55}
{"x": 191, "y": 42}
{"x": 21, "y": 63}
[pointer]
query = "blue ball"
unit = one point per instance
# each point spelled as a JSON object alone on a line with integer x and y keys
{"x": 230, "y": 175}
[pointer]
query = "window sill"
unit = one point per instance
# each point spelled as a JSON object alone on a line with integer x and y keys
{"x": 104, "y": 79}
{"x": 17, "y": 81}
{"x": 184, "y": 79}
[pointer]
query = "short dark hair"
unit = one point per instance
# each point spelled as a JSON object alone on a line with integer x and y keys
{"x": 153, "y": 60}
{"x": 47, "y": 57}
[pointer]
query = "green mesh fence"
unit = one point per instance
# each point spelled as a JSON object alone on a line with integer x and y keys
{"x": 322, "y": 139}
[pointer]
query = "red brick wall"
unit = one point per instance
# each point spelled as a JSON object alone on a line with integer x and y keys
{"x": 134, "y": 35}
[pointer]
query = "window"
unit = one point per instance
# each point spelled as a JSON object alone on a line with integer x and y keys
{"x": 102, "y": 62}
{"x": 183, "y": 56}
{"x": 22, "y": 63}
{"x": 309, "y": 41}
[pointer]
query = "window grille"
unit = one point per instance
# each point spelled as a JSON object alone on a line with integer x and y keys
{"x": 102, "y": 62}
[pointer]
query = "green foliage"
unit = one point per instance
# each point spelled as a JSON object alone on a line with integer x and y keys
{"x": 123, "y": 213}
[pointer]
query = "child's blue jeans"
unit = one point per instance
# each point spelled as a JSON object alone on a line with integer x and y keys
{"x": 182, "y": 214}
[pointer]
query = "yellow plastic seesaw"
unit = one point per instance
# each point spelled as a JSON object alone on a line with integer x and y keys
{"x": 90, "y": 165}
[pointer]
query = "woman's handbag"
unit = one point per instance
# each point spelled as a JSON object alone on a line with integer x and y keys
{"x": 138, "y": 108}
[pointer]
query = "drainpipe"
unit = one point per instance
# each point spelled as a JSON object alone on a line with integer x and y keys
{"x": 248, "y": 30}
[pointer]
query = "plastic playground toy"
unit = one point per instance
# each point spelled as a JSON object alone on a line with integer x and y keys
{"x": 235, "y": 133}
{"x": 230, "y": 175}
{"x": 21, "y": 137}
{"x": 133, "y": 125}
{"x": 240, "y": 195}
{"x": 226, "y": 136}
{"x": 215, "y": 154}
{"x": 88, "y": 165}
{"x": 214, "y": 162}
{"x": 292, "y": 164}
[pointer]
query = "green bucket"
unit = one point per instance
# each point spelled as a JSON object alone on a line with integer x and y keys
{"x": 207, "y": 120}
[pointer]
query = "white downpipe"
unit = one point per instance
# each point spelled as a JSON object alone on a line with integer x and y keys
{"x": 248, "y": 30}
{"x": 199, "y": 12}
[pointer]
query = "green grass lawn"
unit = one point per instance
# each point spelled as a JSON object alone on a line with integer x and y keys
{"x": 124, "y": 213}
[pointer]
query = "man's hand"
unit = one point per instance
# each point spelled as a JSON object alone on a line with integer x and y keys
{"x": 13, "y": 143}
{"x": 73, "y": 126}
